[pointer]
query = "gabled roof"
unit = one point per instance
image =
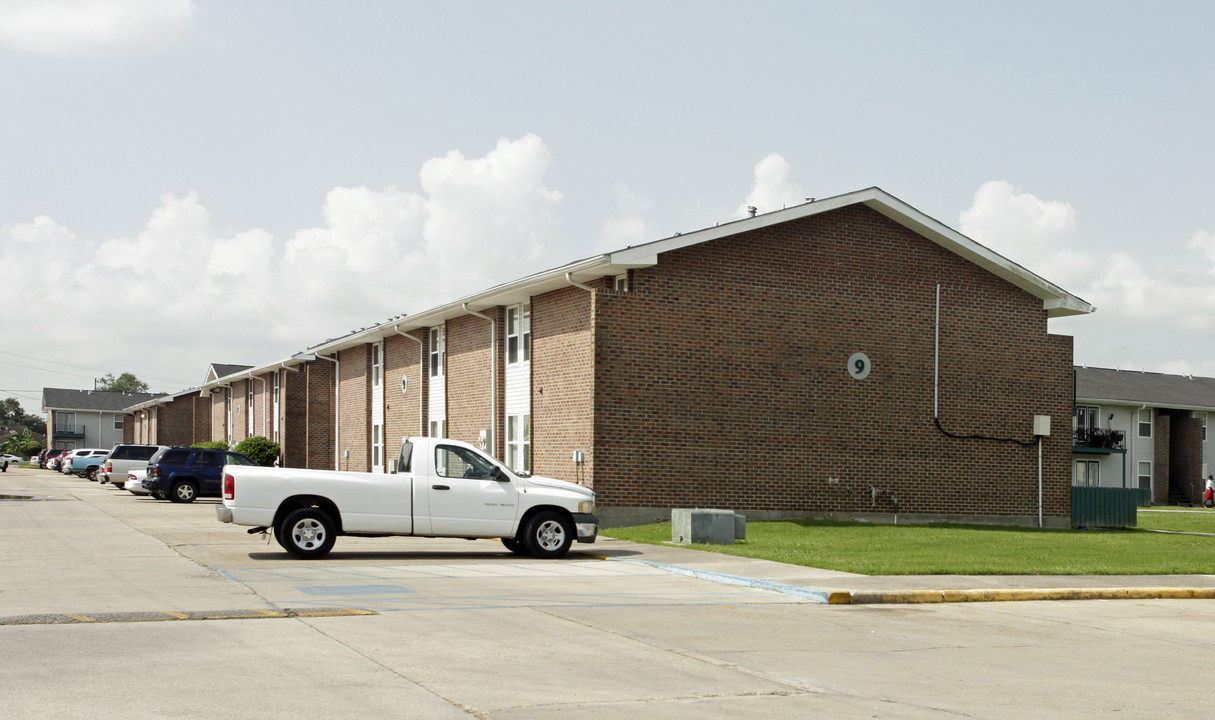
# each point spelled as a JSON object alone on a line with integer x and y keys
{"x": 94, "y": 400}
{"x": 1181, "y": 392}
{"x": 1056, "y": 301}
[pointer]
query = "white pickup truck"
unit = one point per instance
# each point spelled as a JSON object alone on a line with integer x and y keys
{"x": 440, "y": 488}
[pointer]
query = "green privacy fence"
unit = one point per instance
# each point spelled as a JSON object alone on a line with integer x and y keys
{"x": 1105, "y": 506}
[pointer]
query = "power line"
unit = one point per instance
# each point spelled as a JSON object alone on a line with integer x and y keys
{"x": 22, "y": 355}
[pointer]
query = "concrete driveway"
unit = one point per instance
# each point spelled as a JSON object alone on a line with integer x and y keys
{"x": 118, "y": 606}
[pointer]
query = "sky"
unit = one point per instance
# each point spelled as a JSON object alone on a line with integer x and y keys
{"x": 187, "y": 182}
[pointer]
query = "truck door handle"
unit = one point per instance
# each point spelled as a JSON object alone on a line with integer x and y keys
{"x": 440, "y": 487}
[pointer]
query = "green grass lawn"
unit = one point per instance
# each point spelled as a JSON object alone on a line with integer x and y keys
{"x": 940, "y": 549}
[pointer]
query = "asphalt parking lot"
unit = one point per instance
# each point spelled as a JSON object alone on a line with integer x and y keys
{"x": 118, "y": 606}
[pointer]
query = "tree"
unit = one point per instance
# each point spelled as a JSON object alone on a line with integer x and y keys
{"x": 11, "y": 413}
{"x": 21, "y": 444}
{"x": 125, "y": 382}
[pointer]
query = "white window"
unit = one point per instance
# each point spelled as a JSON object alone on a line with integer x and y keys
{"x": 622, "y": 282}
{"x": 438, "y": 428}
{"x": 438, "y": 353}
{"x": 377, "y": 366}
{"x": 249, "y": 408}
{"x": 518, "y": 334}
{"x": 117, "y": 422}
{"x": 519, "y": 443}
{"x": 1145, "y": 423}
{"x": 1088, "y": 473}
{"x": 377, "y": 445}
{"x": 1084, "y": 422}
{"x": 1202, "y": 418}
{"x": 1145, "y": 475}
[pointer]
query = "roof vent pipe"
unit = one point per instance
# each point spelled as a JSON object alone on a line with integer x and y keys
{"x": 752, "y": 210}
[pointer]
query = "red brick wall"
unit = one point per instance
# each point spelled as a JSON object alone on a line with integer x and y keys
{"x": 1160, "y": 454}
{"x": 355, "y": 408}
{"x": 219, "y": 414}
{"x": 563, "y": 378}
{"x": 128, "y": 429}
{"x": 721, "y": 379}
{"x": 201, "y": 429}
{"x": 468, "y": 377}
{"x": 318, "y": 420}
{"x": 240, "y": 411}
{"x": 175, "y": 422}
{"x": 1185, "y": 456}
{"x": 403, "y": 410}
{"x": 293, "y": 432}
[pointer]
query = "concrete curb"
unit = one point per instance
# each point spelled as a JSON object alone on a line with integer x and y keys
{"x": 847, "y": 597}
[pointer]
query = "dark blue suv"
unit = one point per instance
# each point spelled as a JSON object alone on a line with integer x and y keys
{"x": 182, "y": 474}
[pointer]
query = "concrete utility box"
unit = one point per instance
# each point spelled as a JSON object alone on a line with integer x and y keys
{"x": 713, "y": 527}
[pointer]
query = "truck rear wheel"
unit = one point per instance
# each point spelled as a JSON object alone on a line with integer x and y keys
{"x": 548, "y": 535}
{"x": 307, "y": 533}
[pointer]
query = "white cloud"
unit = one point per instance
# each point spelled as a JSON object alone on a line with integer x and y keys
{"x": 1148, "y": 317}
{"x": 178, "y": 295}
{"x": 1204, "y": 242}
{"x": 1015, "y": 224}
{"x": 772, "y": 189}
{"x": 627, "y": 227}
{"x": 82, "y": 27}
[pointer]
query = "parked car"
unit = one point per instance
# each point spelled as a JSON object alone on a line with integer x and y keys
{"x": 87, "y": 466}
{"x": 45, "y": 458}
{"x": 53, "y": 462}
{"x": 134, "y": 483}
{"x": 67, "y": 467}
{"x": 6, "y": 460}
{"x": 183, "y": 474}
{"x": 124, "y": 458}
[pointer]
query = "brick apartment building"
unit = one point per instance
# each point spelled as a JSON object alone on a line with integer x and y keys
{"x": 848, "y": 357}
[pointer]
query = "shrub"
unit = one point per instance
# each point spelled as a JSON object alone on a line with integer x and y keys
{"x": 259, "y": 449}
{"x": 211, "y": 445}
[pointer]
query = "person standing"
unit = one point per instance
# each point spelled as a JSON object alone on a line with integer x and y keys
{"x": 1208, "y": 495}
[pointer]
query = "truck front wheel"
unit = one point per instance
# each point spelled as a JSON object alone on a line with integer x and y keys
{"x": 548, "y": 535}
{"x": 514, "y": 545}
{"x": 307, "y": 533}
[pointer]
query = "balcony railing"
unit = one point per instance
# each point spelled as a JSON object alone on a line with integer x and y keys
{"x": 69, "y": 431}
{"x": 1099, "y": 438}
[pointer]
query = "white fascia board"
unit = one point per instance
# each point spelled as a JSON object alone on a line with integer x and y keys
{"x": 647, "y": 255}
{"x": 511, "y": 293}
{"x": 1056, "y": 301}
{"x": 1142, "y": 404}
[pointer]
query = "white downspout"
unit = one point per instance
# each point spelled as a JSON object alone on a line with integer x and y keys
{"x": 421, "y": 371}
{"x": 337, "y": 409}
{"x": 569, "y": 277}
{"x": 493, "y": 378}
{"x": 936, "y": 360}
{"x": 1039, "y": 481}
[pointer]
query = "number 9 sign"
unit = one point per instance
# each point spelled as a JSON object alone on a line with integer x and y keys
{"x": 859, "y": 366}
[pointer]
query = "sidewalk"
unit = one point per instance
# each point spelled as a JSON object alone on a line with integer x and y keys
{"x": 841, "y": 588}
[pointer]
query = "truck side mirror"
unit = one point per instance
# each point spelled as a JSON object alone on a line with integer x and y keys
{"x": 496, "y": 474}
